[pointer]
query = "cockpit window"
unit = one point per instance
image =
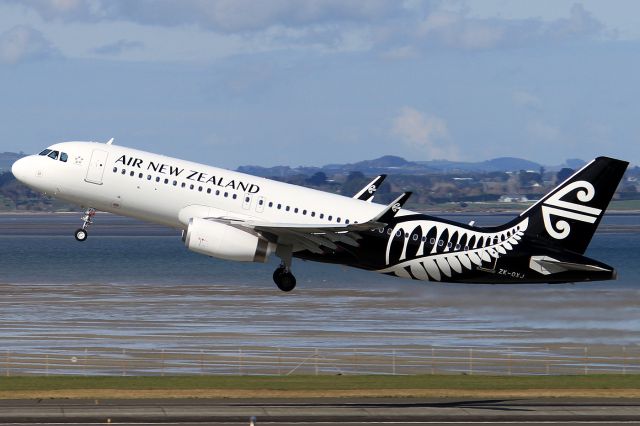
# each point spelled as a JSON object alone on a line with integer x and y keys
{"x": 45, "y": 152}
{"x": 53, "y": 154}
{"x": 64, "y": 157}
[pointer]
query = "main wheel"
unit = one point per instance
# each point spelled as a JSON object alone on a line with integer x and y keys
{"x": 81, "y": 235}
{"x": 284, "y": 279}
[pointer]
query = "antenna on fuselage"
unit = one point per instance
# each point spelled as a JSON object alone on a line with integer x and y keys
{"x": 110, "y": 141}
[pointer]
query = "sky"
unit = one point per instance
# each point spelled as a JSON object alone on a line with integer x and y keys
{"x": 295, "y": 82}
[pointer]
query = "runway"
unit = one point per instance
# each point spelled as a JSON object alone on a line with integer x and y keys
{"x": 397, "y": 411}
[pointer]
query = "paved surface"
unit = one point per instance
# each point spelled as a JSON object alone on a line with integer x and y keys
{"x": 322, "y": 411}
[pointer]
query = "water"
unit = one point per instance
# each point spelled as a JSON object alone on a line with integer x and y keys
{"x": 135, "y": 286}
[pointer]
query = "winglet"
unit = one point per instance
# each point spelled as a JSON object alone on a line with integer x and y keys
{"x": 367, "y": 193}
{"x": 392, "y": 209}
{"x": 110, "y": 141}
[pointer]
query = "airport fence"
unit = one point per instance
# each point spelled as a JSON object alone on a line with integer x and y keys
{"x": 284, "y": 361}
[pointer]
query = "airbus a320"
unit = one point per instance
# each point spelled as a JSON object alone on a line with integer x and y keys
{"x": 235, "y": 216}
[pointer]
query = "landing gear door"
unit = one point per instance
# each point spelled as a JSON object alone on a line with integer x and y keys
{"x": 96, "y": 166}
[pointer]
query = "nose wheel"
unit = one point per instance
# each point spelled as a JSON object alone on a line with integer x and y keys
{"x": 284, "y": 279}
{"x": 82, "y": 234}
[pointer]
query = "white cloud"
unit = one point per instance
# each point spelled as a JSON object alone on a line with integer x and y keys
{"x": 543, "y": 132}
{"x": 23, "y": 43}
{"x": 456, "y": 29}
{"x": 424, "y": 133}
{"x": 118, "y": 47}
{"x": 526, "y": 99}
{"x": 217, "y": 15}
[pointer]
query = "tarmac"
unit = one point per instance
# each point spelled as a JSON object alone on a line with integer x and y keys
{"x": 325, "y": 411}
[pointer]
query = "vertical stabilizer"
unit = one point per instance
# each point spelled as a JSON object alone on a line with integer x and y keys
{"x": 569, "y": 215}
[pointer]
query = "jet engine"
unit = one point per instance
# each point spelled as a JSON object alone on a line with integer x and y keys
{"x": 216, "y": 239}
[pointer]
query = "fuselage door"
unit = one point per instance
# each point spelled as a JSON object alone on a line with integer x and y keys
{"x": 96, "y": 166}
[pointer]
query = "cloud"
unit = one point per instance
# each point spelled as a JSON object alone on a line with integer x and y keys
{"x": 543, "y": 132}
{"x": 424, "y": 133}
{"x": 23, "y": 44}
{"x": 525, "y": 99}
{"x": 218, "y": 15}
{"x": 118, "y": 47}
{"x": 459, "y": 31}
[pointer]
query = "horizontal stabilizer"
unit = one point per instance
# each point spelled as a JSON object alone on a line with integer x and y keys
{"x": 548, "y": 265}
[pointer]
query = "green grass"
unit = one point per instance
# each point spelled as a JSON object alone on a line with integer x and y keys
{"x": 319, "y": 383}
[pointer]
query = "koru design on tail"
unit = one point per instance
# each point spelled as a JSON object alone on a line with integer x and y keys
{"x": 557, "y": 207}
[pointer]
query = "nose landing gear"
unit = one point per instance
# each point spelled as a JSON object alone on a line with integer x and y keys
{"x": 87, "y": 219}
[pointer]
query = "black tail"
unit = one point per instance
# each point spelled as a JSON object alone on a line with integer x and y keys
{"x": 569, "y": 215}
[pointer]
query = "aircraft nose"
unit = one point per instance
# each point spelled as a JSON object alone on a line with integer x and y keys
{"x": 21, "y": 169}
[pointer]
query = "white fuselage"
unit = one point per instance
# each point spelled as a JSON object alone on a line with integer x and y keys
{"x": 169, "y": 191}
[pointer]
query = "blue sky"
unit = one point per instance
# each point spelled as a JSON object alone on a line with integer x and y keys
{"x": 235, "y": 82}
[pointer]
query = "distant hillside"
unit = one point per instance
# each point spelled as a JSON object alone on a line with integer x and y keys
{"x": 390, "y": 164}
{"x": 7, "y": 159}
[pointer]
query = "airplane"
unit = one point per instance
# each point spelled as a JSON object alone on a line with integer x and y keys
{"x": 235, "y": 216}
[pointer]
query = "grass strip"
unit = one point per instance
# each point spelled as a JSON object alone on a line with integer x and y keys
{"x": 321, "y": 383}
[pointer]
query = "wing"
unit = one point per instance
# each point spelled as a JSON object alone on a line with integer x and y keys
{"x": 367, "y": 193}
{"x": 315, "y": 237}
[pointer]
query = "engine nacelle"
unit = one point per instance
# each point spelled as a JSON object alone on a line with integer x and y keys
{"x": 226, "y": 242}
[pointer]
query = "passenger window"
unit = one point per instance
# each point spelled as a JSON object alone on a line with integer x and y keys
{"x": 124, "y": 172}
{"x": 199, "y": 189}
{"x": 183, "y": 185}
{"x": 321, "y": 215}
{"x": 132, "y": 173}
{"x": 338, "y": 220}
{"x": 346, "y": 221}
{"x": 217, "y": 192}
{"x": 148, "y": 177}
{"x": 157, "y": 178}
{"x": 279, "y": 206}
{"x": 270, "y": 203}
{"x": 166, "y": 181}
{"x": 226, "y": 194}
{"x": 313, "y": 214}
{"x": 191, "y": 186}
{"x": 64, "y": 157}
{"x": 288, "y": 208}
{"x": 140, "y": 175}
{"x": 115, "y": 170}
{"x": 208, "y": 190}
{"x": 235, "y": 196}
{"x": 175, "y": 183}
{"x": 415, "y": 237}
{"x": 330, "y": 218}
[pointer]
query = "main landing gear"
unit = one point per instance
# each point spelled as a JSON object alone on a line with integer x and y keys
{"x": 87, "y": 219}
{"x": 284, "y": 279}
{"x": 282, "y": 276}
